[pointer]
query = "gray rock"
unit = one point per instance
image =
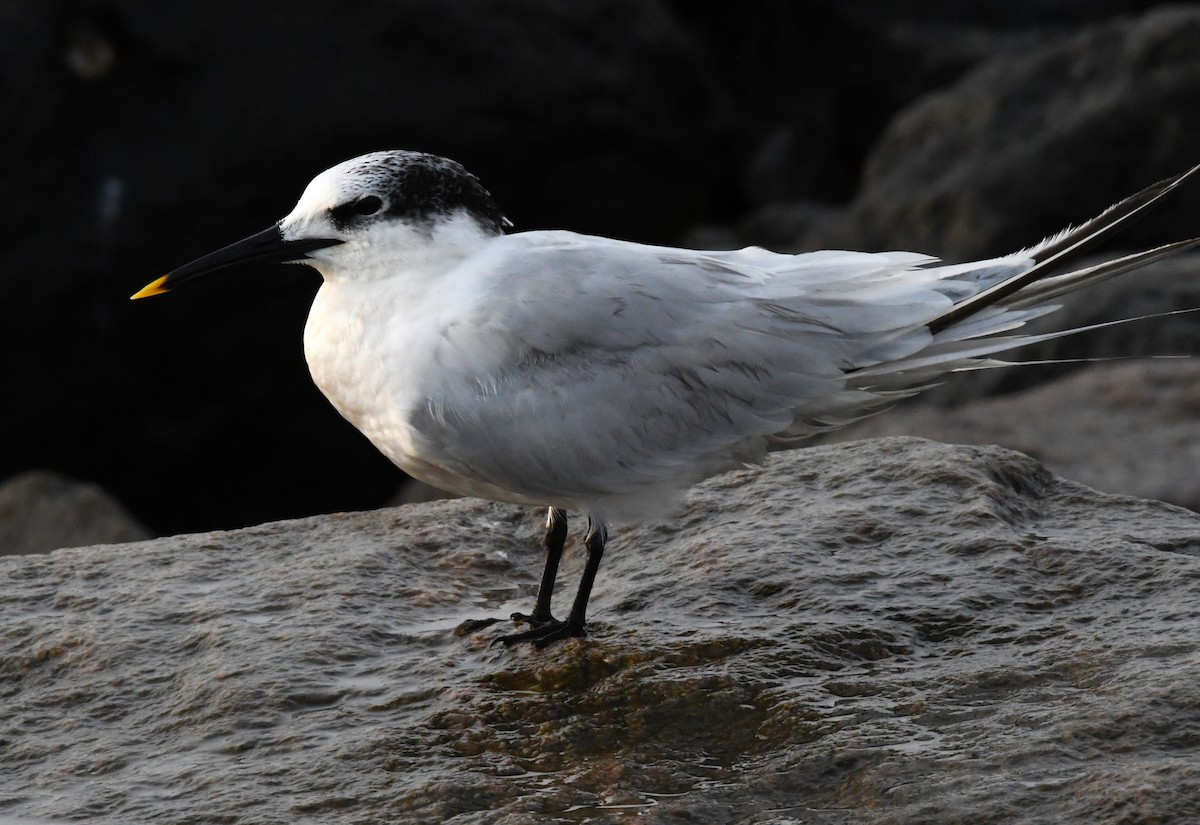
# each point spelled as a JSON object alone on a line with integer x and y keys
{"x": 811, "y": 85}
{"x": 891, "y": 632}
{"x": 1046, "y": 129}
{"x": 1131, "y": 428}
{"x": 42, "y": 511}
{"x": 1030, "y": 142}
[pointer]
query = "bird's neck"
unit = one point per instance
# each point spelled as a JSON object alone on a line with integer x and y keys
{"x": 409, "y": 250}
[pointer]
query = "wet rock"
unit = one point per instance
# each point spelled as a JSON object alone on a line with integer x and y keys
{"x": 42, "y": 511}
{"x": 893, "y": 631}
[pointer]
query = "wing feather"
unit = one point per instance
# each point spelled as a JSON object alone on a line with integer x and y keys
{"x": 625, "y": 364}
{"x": 603, "y": 375}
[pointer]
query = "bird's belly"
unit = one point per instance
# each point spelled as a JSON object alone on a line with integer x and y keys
{"x": 389, "y": 430}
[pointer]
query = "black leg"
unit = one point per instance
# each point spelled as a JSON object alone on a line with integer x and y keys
{"x": 553, "y": 630}
{"x": 555, "y": 538}
{"x": 596, "y": 538}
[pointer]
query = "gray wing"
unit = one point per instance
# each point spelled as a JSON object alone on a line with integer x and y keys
{"x": 619, "y": 369}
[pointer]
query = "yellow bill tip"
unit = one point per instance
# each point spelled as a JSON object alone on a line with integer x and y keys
{"x": 151, "y": 289}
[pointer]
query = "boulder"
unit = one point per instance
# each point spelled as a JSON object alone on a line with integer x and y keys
{"x": 42, "y": 511}
{"x": 1128, "y": 427}
{"x": 1039, "y": 131}
{"x": 1031, "y": 141}
{"x": 890, "y": 631}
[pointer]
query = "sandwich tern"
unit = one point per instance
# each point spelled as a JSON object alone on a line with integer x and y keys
{"x": 605, "y": 377}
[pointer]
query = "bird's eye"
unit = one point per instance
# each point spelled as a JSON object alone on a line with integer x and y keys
{"x": 368, "y": 205}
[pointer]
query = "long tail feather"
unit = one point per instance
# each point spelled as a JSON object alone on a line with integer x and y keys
{"x": 1057, "y": 285}
{"x": 933, "y": 361}
{"x": 1054, "y": 252}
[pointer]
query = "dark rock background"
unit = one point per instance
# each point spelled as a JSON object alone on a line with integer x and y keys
{"x": 141, "y": 134}
{"x": 41, "y": 511}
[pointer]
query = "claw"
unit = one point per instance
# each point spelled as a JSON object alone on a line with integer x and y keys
{"x": 532, "y": 619}
{"x": 473, "y": 625}
{"x": 543, "y": 634}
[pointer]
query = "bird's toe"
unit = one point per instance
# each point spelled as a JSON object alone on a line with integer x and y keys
{"x": 474, "y": 625}
{"x": 543, "y": 634}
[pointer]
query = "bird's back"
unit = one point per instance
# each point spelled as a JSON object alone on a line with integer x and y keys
{"x": 606, "y": 376}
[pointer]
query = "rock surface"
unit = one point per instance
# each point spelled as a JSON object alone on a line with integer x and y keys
{"x": 1130, "y": 428}
{"x": 41, "y": 511}
{"x": 1027, "y": 142}
{"x": 891, "y": 632}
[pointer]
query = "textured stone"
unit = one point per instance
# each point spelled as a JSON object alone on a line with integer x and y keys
{"x": 1044, "y": 131}
{"x": 1032, "y": 141}
{"x": 43, "y": 511}
{"x": 893, "y": 631}
{"x": 1131, "y": 428}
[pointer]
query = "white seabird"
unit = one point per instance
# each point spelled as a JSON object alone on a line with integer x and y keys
{"x": 606, "y": 377}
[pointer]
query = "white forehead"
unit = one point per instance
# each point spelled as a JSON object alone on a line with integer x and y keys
{"x": 339, "y": 184}
{"x": 412, "y": 186}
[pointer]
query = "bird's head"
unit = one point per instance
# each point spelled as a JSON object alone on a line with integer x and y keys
{"x": 364, "y": 219}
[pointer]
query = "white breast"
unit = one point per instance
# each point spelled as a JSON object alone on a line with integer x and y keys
{"x": 379, "y": 357}
{"x": 350, "y": 342}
